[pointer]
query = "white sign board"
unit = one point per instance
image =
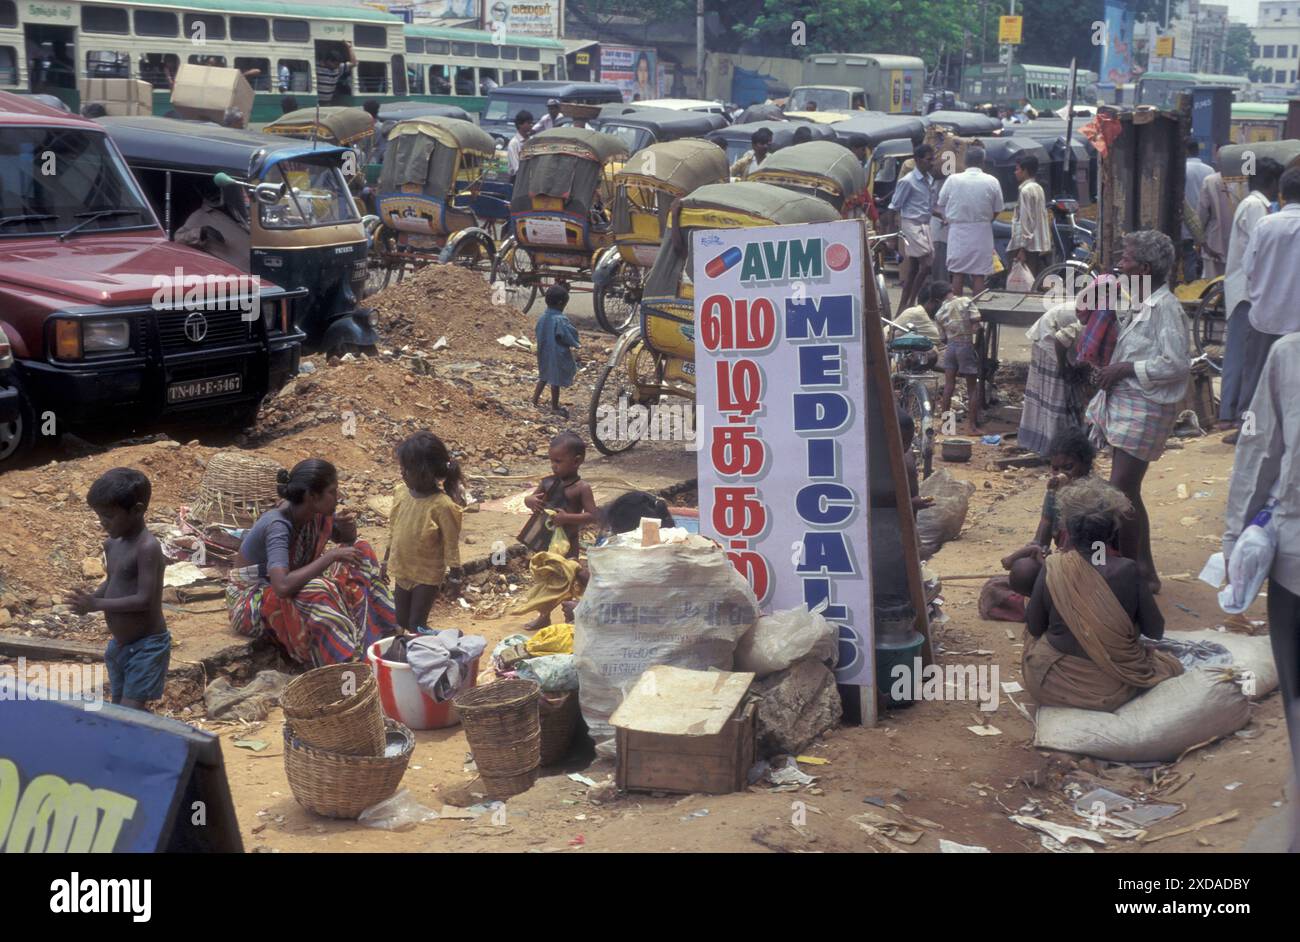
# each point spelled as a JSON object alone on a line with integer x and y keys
{"x": 780, "y": 365}
{"x": 524, "y": 19}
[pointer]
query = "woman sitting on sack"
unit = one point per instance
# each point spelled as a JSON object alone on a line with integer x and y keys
{"x": 322, "y": 606}
{"x": 1087, "y": 610}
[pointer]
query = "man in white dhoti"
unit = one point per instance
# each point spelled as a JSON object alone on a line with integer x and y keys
{"x": 968, "y": 203}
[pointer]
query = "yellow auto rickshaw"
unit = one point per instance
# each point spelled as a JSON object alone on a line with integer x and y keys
{"x": 644, "y": 191}
{"x": 559, "y": 211}
{"x": 425, "y": 197}
{"x": 825, "y": 169}
{"x": 655, "y": 358}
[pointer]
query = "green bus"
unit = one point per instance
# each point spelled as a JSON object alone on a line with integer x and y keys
{"x": 1046, "y": 86}
{"x": 47, "y": 45}
{"x": 1163, "y": 88}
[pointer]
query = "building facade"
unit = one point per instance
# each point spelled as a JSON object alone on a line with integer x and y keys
{"x": 1276, "y": 48}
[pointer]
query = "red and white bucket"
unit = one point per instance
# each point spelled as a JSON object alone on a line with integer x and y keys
{"x": 402, "y": 698}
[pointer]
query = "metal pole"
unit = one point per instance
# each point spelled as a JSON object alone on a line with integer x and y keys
{"x": 699, "y": 48}
{"x": 1011, "y": 50}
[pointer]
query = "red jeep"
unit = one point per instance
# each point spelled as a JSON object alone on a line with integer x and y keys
{"x": 108, "y": 319}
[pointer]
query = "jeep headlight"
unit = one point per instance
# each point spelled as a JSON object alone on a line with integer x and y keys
{"x": 270, "y": 313}
{"x": 99, "y": 336}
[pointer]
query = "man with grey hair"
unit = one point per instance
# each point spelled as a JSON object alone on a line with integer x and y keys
{"x": 1136, "y": 407}
{"x": 968, "y": 203}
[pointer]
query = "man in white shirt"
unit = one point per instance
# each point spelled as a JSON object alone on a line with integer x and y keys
{"x": 760, "y": 145}
{"x": 550, "y": 119}
{"x": 1238, "y": 383}
{"x": 1194, "y": 176}
{"x": 1031, "y": 227}
{"x": 1141, "y": 389}
{"x": 1267, "y": 465}
{"x": 523, "y": 131}
{"x": 968, "y": 203}
{"x": 911, "y": 200}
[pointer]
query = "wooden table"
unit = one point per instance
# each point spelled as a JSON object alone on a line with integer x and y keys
{"x": 1002, "y": 309}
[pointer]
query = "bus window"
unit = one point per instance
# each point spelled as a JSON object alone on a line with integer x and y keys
{"x": 105, "y": 64}
{"x": 204, "y": 26}
{"x": 487, "y": 80}
{"x": 291, "y": 31}
{"x": 157, "y": 69}
{"x": 508, "y": 76}
{"x": 218, "y": 62}
{"x": 8, "y": 65}
{"x": 415, "y": 45}
{"x": 104, "y": 20}
{"x": 256, "y": 71}
{"x": 509, "y": 52}
{"x": 399, "y": 75}
{"x": 463, "y": 80}
{"x": 9, "y": 16}
{"x": 372, "y": 37}
{"x": 528, "y": 75}
{"x": 439, "y": 82}
{"x": 530, "y": 54}
{"x": 463, "y": 49}
{"x": 249, "y": 29}
{"x": 372, "y": 78}
{"x": 156, "y": 23}
{"x": 299, "y": 75}
{"x": 548, "y": 72}
{"x": 414, "y": 80}
{"x": 436, "y": 47}
{"x": 488, "y": 51}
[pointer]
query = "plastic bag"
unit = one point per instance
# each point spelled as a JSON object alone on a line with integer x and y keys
{"x": 681, "y": 604}
{"x": 943, "y": 520}
{"x": 554, "y": 673}
{"x": 778, "y": 640}
{"x": 1251, "y": 559}
{"x": 553, "y": 639}
{"x": 1020, "y": 278}
{"x": 400, "y": 812}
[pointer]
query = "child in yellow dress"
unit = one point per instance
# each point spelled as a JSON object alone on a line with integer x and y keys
{"x": 424, "y": 541}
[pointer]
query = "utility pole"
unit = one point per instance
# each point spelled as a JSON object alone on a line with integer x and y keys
{"x": 699, "y": 49}
{"x": 1011, "y": 49}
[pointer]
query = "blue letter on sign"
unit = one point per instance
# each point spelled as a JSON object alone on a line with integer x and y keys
{"x": 820, "y": 366}
{"x": 828, "y": 316}
{"x": 824, "y": 505}
{"x": 820, "y": 412}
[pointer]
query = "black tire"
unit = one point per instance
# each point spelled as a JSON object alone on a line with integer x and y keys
{"x": 18, "y": 437}
{"x": 242, "y": 416}
{"x": 1210, "y": 326}
{"x": 915, "y": 400}
{"x": 608, "y": 383}
{"x": 473, "y": 255}
{"x": 617, "y": 302}
{"x": 1044, "y": 280}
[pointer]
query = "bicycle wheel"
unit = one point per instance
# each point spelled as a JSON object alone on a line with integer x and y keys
{"x": 915, "y": 401}
{"x": 616, "y": 302}
{"x": 882, "y": 293}
{"x": 615, "y": 392}
{"x": 1210, "y": 326}
{"x": 473, "y": 254}
{"x": 1064, "y": 278}
{"x": 510, "y": 264}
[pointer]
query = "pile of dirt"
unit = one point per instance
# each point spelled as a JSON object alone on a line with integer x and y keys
{"x": 452, "y": 302}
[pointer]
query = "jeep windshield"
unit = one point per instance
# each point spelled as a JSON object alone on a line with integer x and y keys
{"x": 54, "y": 180}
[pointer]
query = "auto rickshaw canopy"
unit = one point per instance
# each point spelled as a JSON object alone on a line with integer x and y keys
{"x": 678, "y": 167}
{"x": 878, "y": 127}
{"x": 963, "y": 122}
{"x": 427, "y": 153}
{"x": 203, "y": 148}
{"x": 826, "y": 168}
{"x": 338, "y": 125}
{"x": 566, "y": 164}
{"x": 1232, "y": 157}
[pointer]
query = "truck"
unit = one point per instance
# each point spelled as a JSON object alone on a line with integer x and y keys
{"x": 107, "y": 320}
{"x": 893, "y": 84}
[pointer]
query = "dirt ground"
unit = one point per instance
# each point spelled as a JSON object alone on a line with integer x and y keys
{"x": 921, "y": 760}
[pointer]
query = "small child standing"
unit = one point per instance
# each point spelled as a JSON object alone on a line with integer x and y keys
{"x": 958, "y": 319}
{"x": 130, "y": 597}
{"x": 425, "y": 528}
{"x": 557, "y": 338}
{"x": 565, "y": 492}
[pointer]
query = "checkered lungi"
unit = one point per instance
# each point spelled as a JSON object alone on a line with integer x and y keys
{"x": 1045, "y": 409}
{"x": 1127, "y": 420}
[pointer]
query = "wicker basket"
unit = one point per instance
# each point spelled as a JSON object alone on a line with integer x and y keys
{"x": 501, "y": 724}
{"x": 340, "y": 786}
{"x": 350, "y": 725}
{"x": 559, "y": 720}
{"x": 236, "y": 489}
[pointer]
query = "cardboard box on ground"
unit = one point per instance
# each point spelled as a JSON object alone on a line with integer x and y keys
{"x": 119, "y": 96}
{"x": 205, "y": 92}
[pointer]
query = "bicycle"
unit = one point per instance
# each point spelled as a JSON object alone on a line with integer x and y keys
{"x": 910, "y": 376}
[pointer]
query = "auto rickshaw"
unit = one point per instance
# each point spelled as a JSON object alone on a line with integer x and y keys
{"x": 641, "y": 127}
{"x": 644, "y": 191}
{"x": 559, "y": 212}
{"x": 965, "y": 123}
{"x": 1203, "y": 299}
{"x": 424, "y": 199}
{"x": 656, "y": 358}
{"x": 823, "y": 169}
{"x": 738, "y": 136}
{"x": 337, "y": 125}
{"x": 302, "y": 229}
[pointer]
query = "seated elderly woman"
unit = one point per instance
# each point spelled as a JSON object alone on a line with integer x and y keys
{"x": 1087, "y": 611}
{"x": 321, "y": 606}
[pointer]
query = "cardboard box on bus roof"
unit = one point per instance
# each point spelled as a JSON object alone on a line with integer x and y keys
{"x": 119, "y": 96}
{"x": 207, "y": 92}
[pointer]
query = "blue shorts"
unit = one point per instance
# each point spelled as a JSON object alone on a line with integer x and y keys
{"x": 960, "y": 355}
{"x": 137, "y": 671}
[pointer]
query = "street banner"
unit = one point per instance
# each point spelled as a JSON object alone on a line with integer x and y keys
{"x": 781, "y": 386}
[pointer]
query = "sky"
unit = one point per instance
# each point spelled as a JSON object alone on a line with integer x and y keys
{"x": 1244, "y": 11}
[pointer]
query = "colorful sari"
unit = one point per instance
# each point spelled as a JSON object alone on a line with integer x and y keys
{"x": 333, "y": 618}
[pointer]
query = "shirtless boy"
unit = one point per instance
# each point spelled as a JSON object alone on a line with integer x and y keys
{"x": 568, "y": 494}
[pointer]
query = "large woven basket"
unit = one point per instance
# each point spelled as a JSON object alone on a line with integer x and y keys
{"x": 327, "y": 718}
{"x": 340, "y": 786}
{"x": 558, "y": 715}
{"x": 236, "y": 489}
{"x": 501, "y": 724}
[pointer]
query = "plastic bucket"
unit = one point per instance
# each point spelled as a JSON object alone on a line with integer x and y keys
{"x": 404, "y": 701}
{"x": 891, "y": 653}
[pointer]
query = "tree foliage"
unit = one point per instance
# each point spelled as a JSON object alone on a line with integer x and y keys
{"x": 1236, "y": 50}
